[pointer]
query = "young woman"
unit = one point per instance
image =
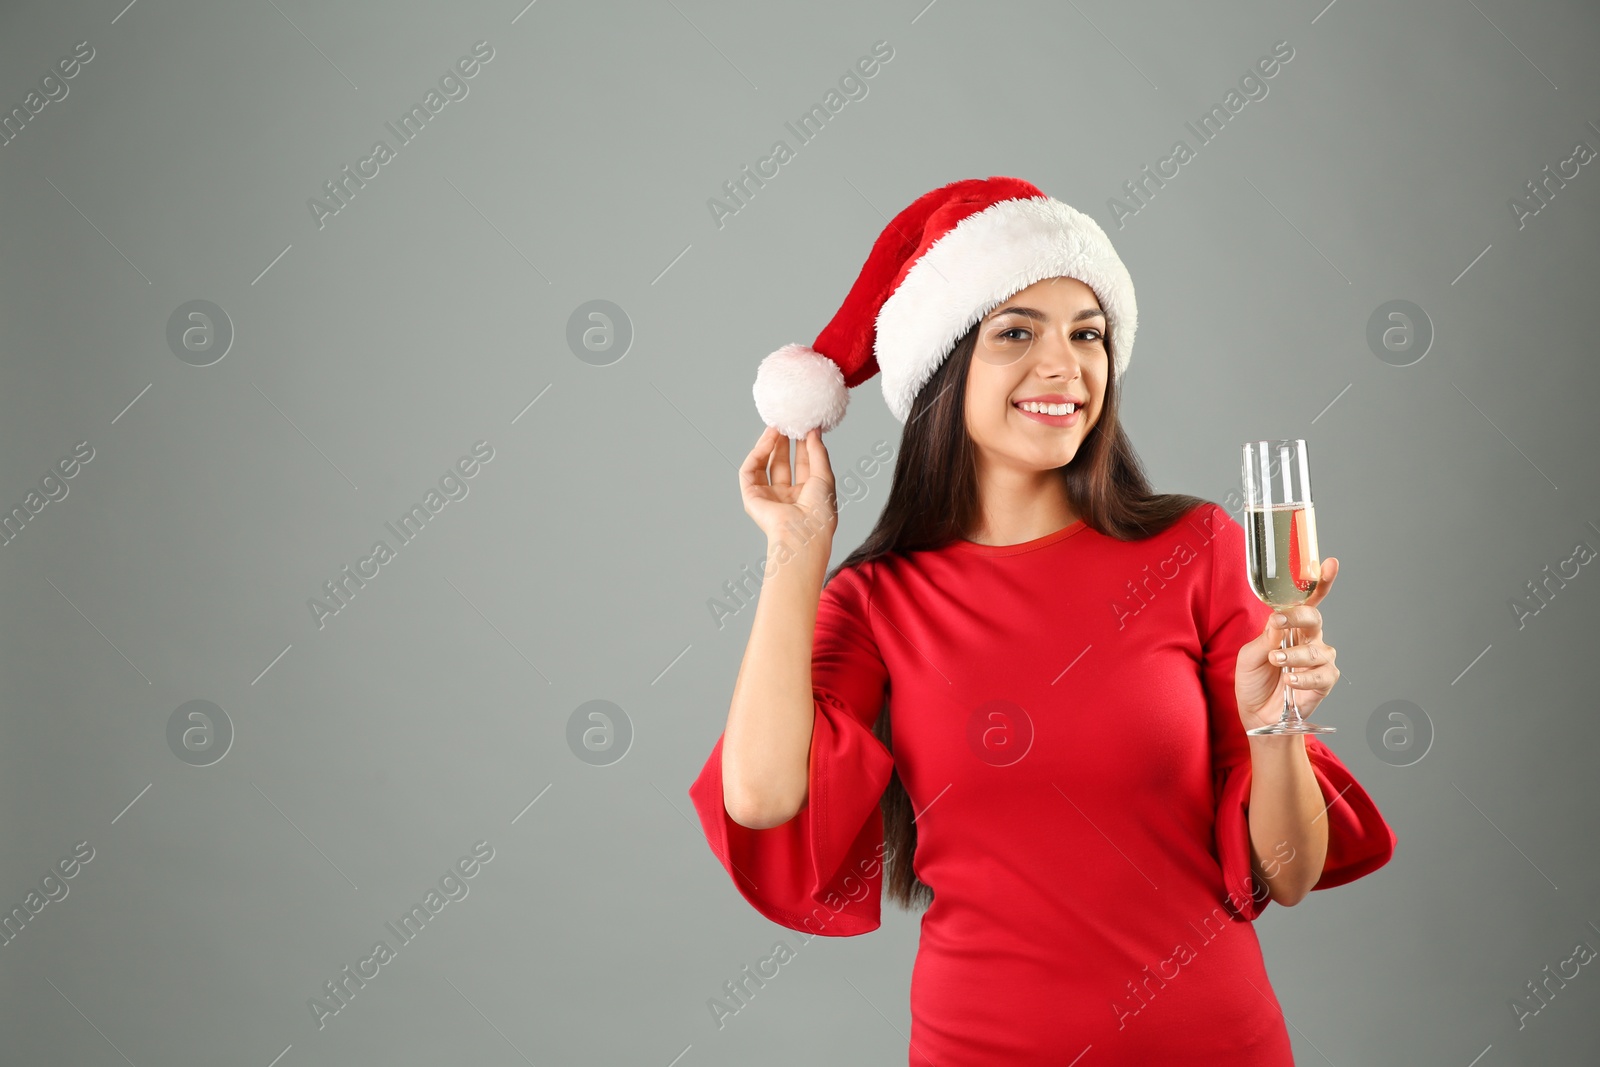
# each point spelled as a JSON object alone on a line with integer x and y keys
{"x": 1071, "y": 661}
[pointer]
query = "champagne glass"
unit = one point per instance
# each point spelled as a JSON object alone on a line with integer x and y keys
{"x": 1280, "y": 546}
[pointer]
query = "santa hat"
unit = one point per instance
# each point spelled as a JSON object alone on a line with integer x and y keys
{"x": 938, "y": 268}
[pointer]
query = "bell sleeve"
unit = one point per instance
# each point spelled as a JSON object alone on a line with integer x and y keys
{"x": 822, "y": 871}
{"x": 1359, "y": 840}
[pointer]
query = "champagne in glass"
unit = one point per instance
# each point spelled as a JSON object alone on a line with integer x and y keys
{"x": 1281, "y": 546}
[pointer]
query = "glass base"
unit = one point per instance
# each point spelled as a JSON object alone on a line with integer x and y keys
{"x": 1306, "y": 727}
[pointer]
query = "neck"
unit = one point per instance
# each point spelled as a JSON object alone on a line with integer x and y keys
{"x": 1017, "y": 506}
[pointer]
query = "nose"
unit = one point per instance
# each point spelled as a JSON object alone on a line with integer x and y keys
{"x": 1055, "y": 355}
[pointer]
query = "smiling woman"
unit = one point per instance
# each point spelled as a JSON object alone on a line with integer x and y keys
{"x": 1035, "y": 389}
{"x": 1064, "y": 793}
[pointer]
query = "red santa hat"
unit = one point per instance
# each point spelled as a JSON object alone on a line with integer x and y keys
{"x": 938, "y": 268}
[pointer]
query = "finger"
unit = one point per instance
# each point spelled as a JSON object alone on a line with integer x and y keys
{"x": 1330, "y": 569}
{"x": 754, "y": 469}
{"x": 1301, "y": 656}
{"x": 802, "y": 458}
{"x": 1306, "y": 621}
{"x": 780, "y": 462}
{"x": 1322, "y": 678}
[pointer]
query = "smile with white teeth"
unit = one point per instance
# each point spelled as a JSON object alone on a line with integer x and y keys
{"x": 1048, "y": 409}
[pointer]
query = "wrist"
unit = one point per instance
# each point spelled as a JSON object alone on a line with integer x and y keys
{"x": 814, "y": 548}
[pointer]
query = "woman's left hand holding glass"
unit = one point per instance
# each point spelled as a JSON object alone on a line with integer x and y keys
{"x": 1259, "y": 676}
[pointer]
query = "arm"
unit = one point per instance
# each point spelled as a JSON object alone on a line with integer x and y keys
{"x": 1288, "y": 834}
{"x": 767, "y": 741}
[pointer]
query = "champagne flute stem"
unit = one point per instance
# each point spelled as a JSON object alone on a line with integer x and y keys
{"x": 1291, "y": 710}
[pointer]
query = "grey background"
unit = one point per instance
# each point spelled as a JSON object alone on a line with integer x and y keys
{"x": 369, "y": 755}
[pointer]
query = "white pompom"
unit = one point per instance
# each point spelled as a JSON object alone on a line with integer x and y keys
{"x": 798, "y": 389}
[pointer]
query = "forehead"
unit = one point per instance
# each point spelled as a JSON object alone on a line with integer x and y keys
{"x": 1063, "y": 295}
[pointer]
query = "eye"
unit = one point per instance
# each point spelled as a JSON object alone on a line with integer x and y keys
{"x": 1014, "y": 329}
{"x": 1090, "y": 329}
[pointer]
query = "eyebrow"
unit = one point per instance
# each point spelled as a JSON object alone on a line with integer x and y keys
{"x": 1035, "y": 313}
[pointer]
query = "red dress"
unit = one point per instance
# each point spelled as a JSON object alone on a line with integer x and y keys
{"x": 1065, "y": 725}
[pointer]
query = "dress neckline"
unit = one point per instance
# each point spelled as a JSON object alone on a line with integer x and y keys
{"x": 1062, "y": 534}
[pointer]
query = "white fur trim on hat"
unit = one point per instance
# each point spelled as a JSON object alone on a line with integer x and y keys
{"x": 798, "y": 389}
{"x": 987, "y": 257}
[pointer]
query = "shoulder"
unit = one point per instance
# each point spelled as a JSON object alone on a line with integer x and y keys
{"x": 852, "y": 585}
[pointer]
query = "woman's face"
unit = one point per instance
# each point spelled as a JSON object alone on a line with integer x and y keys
{"x": 1047, "y": 342}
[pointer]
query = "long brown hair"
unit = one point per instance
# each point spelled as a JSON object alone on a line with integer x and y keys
{"x": 933, "y": 500}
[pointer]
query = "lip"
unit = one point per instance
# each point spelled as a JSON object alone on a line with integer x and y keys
{"x": 1053, "y": 398}
{"x": 1050, "y": 420}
